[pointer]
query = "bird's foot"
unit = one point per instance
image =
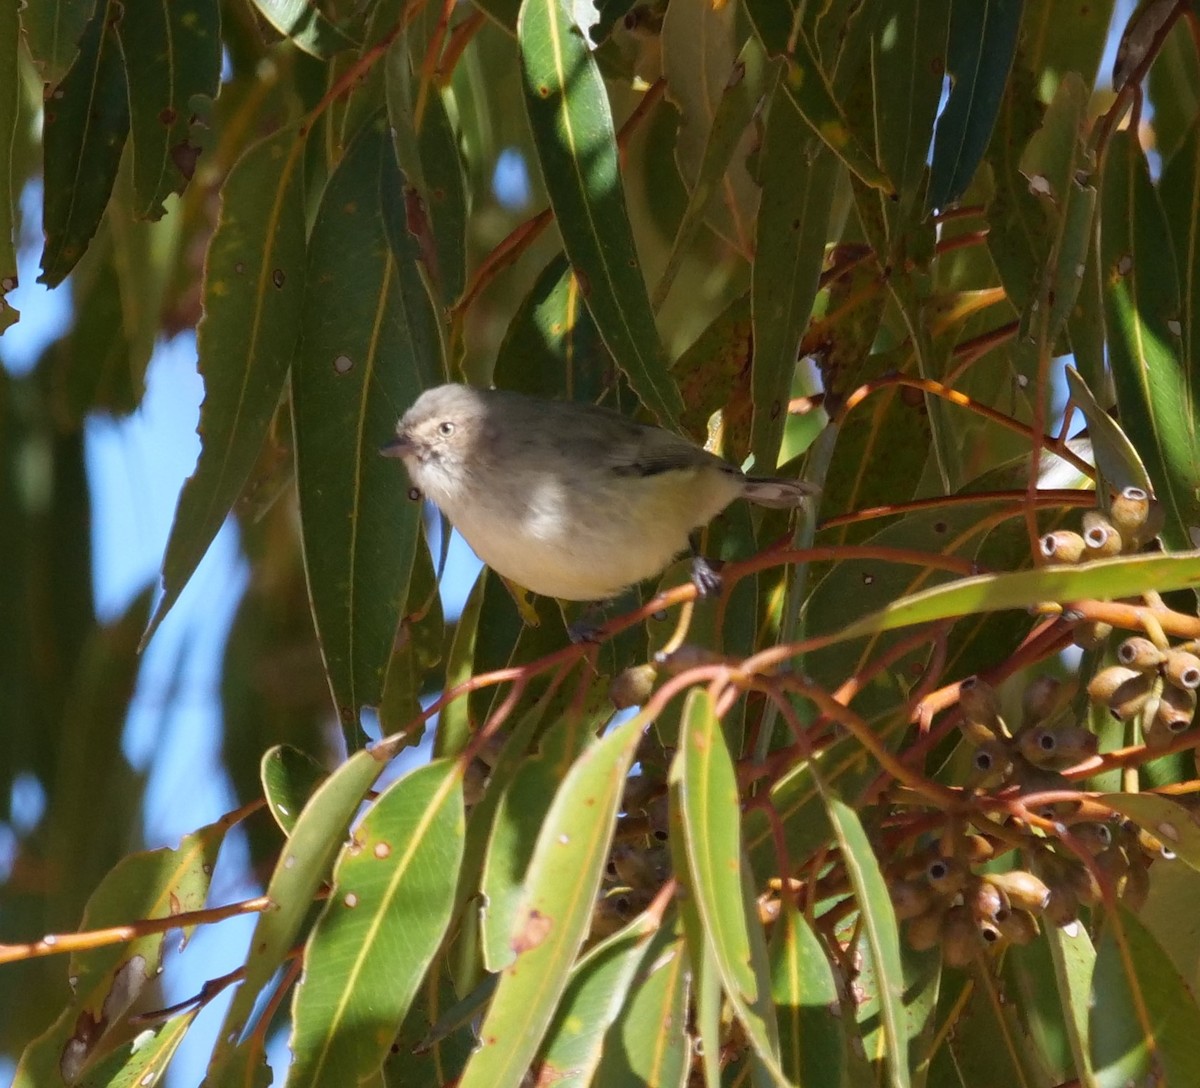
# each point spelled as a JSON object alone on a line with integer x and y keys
{"x": 706, "y": 576}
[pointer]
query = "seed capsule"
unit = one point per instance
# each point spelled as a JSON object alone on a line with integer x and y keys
{"x": 1129, "y": 512}
{"x": 1183, "y": 669}
{"x": 1021, "y": 889}
{"x": 1100, "y": 538}
{"x": 1057, "y": 746}
{"x": 1062, "y": 546}
{"x": 1105, "y": 683}
{"x": 925, "y": 931}
{"x": 1140, "y": 653}
{"x": 1087, "y": 636}
{"x": 960, "y": 937}
{"x": 1040, "y": 698}
{"x": 910, "y": 898}
{"x": 979, "y": 701}
{"x": 1019, "y": 926}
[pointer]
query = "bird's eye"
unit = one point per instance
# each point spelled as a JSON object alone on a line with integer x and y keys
{"x": 445, "y": 428}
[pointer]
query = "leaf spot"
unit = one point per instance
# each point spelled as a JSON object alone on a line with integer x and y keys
{"x": 1168, "y": 831}
{"x": 1125, "y": 264}
{"x": 277, "y": 277}
{"x": 343, "y": 364}
{"x": 290, "y": 861}
{"x": 532, "y": 933}
{"x": 382, "y": 849}
{"x": 351, "y": 900}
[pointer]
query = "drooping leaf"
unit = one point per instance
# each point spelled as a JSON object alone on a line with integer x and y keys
{"x": 368, "y": 339}
{"x": 573, "y": 132}
{"x": 555, "y": 915}
{"x": 393, "y": 887}
{"x": 252, "y": 302}
{"x": 1156, "y": 387}
{"x": 86, "y": 122}
{"x": 983, "y": 39}
{"x": 171, "y": 52}
{"x": 307, "y": 25}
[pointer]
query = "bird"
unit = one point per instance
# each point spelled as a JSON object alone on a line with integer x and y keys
{"x": 570, "y": 500}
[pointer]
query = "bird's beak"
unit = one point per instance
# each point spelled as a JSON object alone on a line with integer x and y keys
{"x": 397, "y": 447}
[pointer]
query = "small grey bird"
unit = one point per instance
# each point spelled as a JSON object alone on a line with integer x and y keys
{"x": 569, "y": 500}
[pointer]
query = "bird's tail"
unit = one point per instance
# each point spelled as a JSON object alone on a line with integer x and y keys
{"x": 776, "y": 492}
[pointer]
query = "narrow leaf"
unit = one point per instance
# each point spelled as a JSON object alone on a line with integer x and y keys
{"x": 798, "y": 176}
{"x": 252, "y": 299}
{"x": 368, "y": 336}
{"x": 712, "y": 828}
{"x": 10, "y": 99}
{"x": 303, "y": 865}
{"x": 556, "y": 914}
{"x": 1156, "y": 390}
{"x": 86, "y": 122}
{"x": 289, "y": 778}
{"x": 393, "y": 888}
{"x": 171, "y": 51}
{"x": 307, "y": 25}
{"x": 983, "y": 41}
{"x": 573, "y": 133}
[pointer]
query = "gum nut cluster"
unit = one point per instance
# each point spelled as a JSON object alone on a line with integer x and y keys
{"x": 1134, "y": 519}
{"x": 940, "y": 898}
{"x": 1156, "y": 684}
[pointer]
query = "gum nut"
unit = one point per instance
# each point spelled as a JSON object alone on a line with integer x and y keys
{"x": 1087, "y": 636}
{"x": 1063, "y": 907}
{"x": 1177, "y": 707}
{"x": 1101, "y": 538}
{"x": 1105, "y": 683}
{"x": 960, "y": 937}
{"x": 977, "y": 733}
{"x": 1019, "y": 926}
{"x": 976, "y": 849}
{"x": 1140, "y": 653}
{"x": 1183, "y": 669}
{"x": 1021, "y": 888}
{"x": 1087, "y": 890}
{"x": 910, "y": 899}
{"x": 1158, "y": 733}
{"x": 925, "y": 930}
{"x": 1129, "y": 511}
{"x": 632, "y": 686}
{"x": 1040, "y": 698}
{"x": 1047, "y": 745}
{"x": 946, "y": 876}
{"x": 978, "y": 701}
{"x": 1062, "y": 546}
{"x": 990, "y": 932}
{"x": 1093, "y": 837}
{"x": 983, "y": 899}
{"x": 991, "y": 761}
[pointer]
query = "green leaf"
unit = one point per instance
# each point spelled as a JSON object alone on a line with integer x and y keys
{"x": 1121, "y": 1052}
{"x": 715, "y": 89}
{"x": 302, "y": 867}
{"x": 106, "y": 981}
{"x": 528, "y": 792}
{"x": 556, "y": 913}
{"x": 983, "y": 40}
{"x": 171, "y": 51}
{"x": 806, "y": 1001}
{"x": 367, "y": 336}
{"x": 1105, "y": 579}
{"x": 809, "y": 87}
{"x": 289, "y": 778}
{"x": 1168, "y": 821}
{"x": 86, "y": 122}
{"x": 573, "y": 133}
{"x": 1115, "y": 455}
{"x": 1155, "y": 388}
{"x": 1074, "y": 963}
{"x": 908, "y": 60}
{"x": 879, "y": 924}
{"x": 648, "y": 1044}
{"x": 1062, "y": 36}
{"x": 712, "y": 827}
{"x": 10, "y": 101}
{"x": 552, "y": 347}
{"x": 252, "y": 303}
{"x": 599, "y": 991}
{"x": 52, "y": 30}
{"x": 143, "y": 1064}
{"x": 798, "y": 178}
{"x": 1059, "y": 166}
{"x": 305, "y": 24}
{"x": 393, "y": 888}
{"x": 429, "y": 158}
